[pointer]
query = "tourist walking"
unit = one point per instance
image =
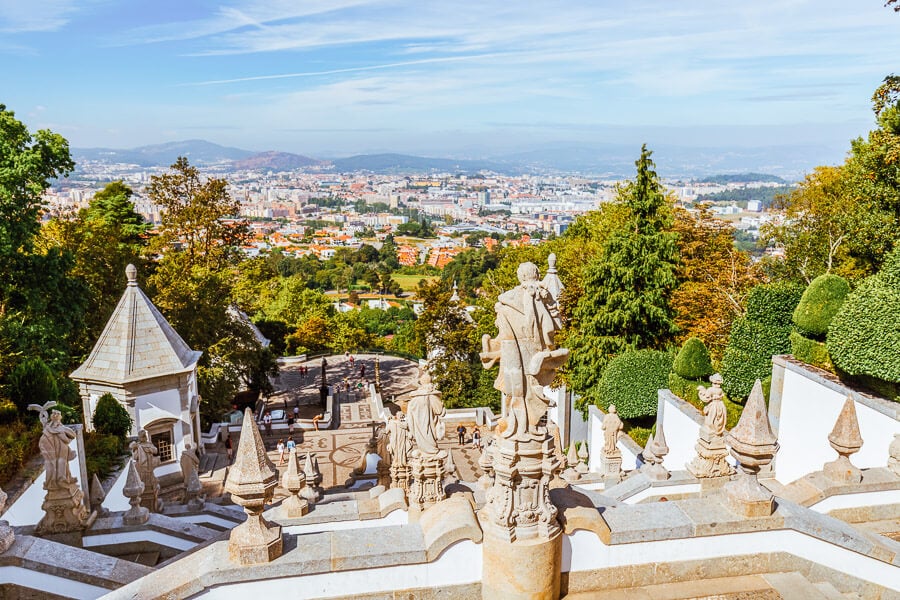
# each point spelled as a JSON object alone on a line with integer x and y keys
{"x": 461, "y": 434}
{"x": 280, "y": 448}
{"x": 476, "y": 439}
{"x": 267, "y": 422}
{"x": 228, "y": 448}
{"x": 297, "y": 412}
{"x": 291, "y": 424}
{"x": 290, "y": 446}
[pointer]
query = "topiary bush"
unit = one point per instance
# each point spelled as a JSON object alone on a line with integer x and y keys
{"x": 818, "y": 305}
{"x": 692, "y": 361}
{"x": 32, "y": 382}
{"x": 763, "y": 332}
{"x": 811, "y": 352}
{"x": 111, "y": 418}
{"x": 864, "y": 337}
{"x": 631, "y": 380}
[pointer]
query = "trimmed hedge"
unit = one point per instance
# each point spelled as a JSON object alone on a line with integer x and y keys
{"x": 111, "y": 418}
{"x": 819, "y": 303}
{"x": 103, "y": 453}
{"x": 763, "y": 332}
{"x": 686, "y": 389}
{"x": 864, "y": 337}
{"x": 810, "y": 351}
{"x": 692, "y": 361}
{"x": 631, "y": 380}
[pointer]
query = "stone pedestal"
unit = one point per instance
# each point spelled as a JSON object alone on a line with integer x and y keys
{"x": 400, "y": 476}
{"x": 521, "y": 570}
{"x": 711, "y": 454}
{"x": 64, "y": 510}
{"x": 427, "y": 487}
{"x": 745, "y": 496}
{"x": 323, "y": 396}
{"x": 611, "y": 468}
{"x": 842, "y": 470}
{"x": 255, "y": 540}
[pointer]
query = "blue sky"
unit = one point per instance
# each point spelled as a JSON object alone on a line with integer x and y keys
{"x": 464, "y": 77}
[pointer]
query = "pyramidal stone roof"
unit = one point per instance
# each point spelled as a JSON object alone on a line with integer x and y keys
{"x": 137, "y": 343}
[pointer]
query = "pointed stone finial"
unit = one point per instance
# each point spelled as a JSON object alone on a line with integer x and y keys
{"x": 7, "y": 535}
{"x": 455, "y": 296}
{"x": 485, "y": 463}
{"x": 293, "y": 480}
{"x": 311, "y": 491}
{"x": 572, "y": 456}
{"x": 582, "y": 466}
{"x": 131, "y": 275}
{"x": 551, "y": 280}
{"x": 654, "y": 453}
{"x": 571, "y": 474}
{"x": 450, "y": 468}
{"x": 133, "y": 490}
{"x": 551, "y": 263}
{"x": 753, "y": 445}
{"x": 97, "y": 496}
{"x": 846, "y": 440}
{"x": 251, "y": 482}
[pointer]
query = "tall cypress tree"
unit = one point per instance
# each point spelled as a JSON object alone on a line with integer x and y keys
{"x": 625, "y": 305}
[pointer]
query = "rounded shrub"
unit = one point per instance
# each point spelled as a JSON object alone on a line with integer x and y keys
{"x": 32, "y": 382}
{"x": 812, "y": 352}
{"x": 748, "y": 356}
{"x": 111, "y": 418}
{"x": 819, "y": 303}
{"x": 864, "y": 337}
{"x": 631, "y": 380}
{"x": 692, "y": 361}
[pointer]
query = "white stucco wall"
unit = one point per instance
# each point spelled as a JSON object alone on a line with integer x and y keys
{"x": 681, "y": 434}
{"x": 807, "y": 415}
{"x": 459, "y": 564}
{"x": 27, "y": 508}
{"x": 45, "y": 582}
{"x": 158, "y": 405}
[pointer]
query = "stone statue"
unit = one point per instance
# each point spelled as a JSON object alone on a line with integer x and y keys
{"x": 7, "y": 535}
{"x": 612, "y": 426}
{"x": 146, "y": 459}
{"x": 190, "y": 462}
{"x": 424, "y": 413}
{"x": 399, "y": 448}
{"x": 54, "y": 446}
{"x": 711, "y": 451}
{"x": 64, "y": 509}
{"x": 714, "y": 411}
{"x": 525, "y": 347}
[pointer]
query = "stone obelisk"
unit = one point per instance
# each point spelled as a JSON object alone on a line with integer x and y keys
{"x": 522, "y": 549}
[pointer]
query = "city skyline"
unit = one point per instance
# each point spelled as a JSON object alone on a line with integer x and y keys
{"x": 356, "y": 76}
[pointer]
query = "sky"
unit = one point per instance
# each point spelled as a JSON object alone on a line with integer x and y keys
{"x": 454, "y": 78}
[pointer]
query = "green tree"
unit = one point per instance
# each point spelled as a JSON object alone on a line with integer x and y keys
{"x": 111, "y": 418}
{"x": 32, "y": 382}
{"x": 627, "y": 289}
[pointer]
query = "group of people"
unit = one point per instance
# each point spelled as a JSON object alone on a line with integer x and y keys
{"x": 461, "y": 432}
{"x": 283, "y": 448}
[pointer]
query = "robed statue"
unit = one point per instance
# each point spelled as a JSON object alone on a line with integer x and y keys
{"x": 527, "y": 320}
{"x": 714, "y": 413}
{"x": 54, "y": 447}
{"x": 424, "y": 412}
{"x": 146, "y": 459}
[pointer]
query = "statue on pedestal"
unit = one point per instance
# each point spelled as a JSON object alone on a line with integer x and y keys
{"x": 146, "y": 459}
{"x": 611, "y": 457}
{"x": 64, "y": 503}
{"x": 424, "y": 412}
{"x": 518, "y": 518}
{"x": 7, "y": 535}
{"x": 190, "y": 467}
{"x": 711, "y": 452}
{"x": 524, "y": 457}
{"x": 399, "y": 448}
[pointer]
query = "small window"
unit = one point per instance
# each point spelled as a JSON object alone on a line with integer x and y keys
{"x": 163, "y": 443}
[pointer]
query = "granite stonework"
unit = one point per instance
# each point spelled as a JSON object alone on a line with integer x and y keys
{"x": 710, "y": 460}
{"x": 7, "y": 535}
{"x": 846, "y": 440}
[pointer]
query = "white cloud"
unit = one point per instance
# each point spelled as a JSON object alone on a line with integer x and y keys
{"x": 22, "y": 16}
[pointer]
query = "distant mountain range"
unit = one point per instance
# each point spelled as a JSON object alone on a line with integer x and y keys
{"x": 607, "y": 160}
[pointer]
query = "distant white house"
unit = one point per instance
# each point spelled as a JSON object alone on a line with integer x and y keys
{"x": 143, "y": 362}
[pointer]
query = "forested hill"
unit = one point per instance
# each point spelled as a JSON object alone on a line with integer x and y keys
{"x": 742, "y": 178}
{"x": 766, "y": 195}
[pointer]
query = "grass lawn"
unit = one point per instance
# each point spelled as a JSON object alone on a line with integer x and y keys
{"x": 409, "y": 283}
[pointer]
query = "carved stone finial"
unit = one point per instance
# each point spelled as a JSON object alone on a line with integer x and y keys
{"x": 582, "y": 466}
{"x": 311, "y": 491}
{"x": 571, "y": 474}
{"x": 97, "y": 496}
{"x": 654, "y": 453}
{"x": 485, "y": 462}
{"x": 131, "y": 275}
{"x": 846, "y": 440}
{"x": 753, "y": 445}
{"x": 145, "y": 456}
{"x": 894, "y": 455}
{"x": 7, "y": 535}
{"x": 133, "y": 490}
{"x": 293, "y": 480}
{"x": 251, "y": 482}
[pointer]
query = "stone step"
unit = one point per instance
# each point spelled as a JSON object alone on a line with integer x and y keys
{"x": 794, "y": 585}
{"x": 829, "y": 591}
{"x": 741, "y": 587}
